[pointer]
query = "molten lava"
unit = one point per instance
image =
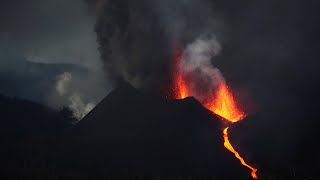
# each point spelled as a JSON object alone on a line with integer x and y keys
{"x": 183, "y": 93}
{"x": 180, "y": 85}
{"x": 228, "y": 145}
{"x": 221, "y": 103}
{"x": 224, "y": 104}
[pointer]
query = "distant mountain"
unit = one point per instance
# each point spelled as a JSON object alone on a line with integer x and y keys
{"x": 34, "y": 81}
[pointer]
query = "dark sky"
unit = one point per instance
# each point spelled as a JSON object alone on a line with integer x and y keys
{"x": 269, "y": 49}
{"x": 272, "y": 51}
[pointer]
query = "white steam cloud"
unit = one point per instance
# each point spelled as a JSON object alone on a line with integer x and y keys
{"x": 79, "y": 108}
{"x": 197, "y": 60}
{"x": 62, "y": 82}
{"x": 76, "y": 102}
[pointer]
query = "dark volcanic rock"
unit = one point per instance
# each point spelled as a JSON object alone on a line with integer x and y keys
{"x": 137, "y": 134}
{"x": 278, "y": 149}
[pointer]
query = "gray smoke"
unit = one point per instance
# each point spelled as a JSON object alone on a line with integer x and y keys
{"x": 63, "y": 81}
{"x": 69, "y": 91}
{"x": 137, "y": 39}
{"x": 197, "y": 61}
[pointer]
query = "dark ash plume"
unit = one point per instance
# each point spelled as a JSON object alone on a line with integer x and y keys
{"x": 137, "y": 39}
{"x": 132, "y": 43}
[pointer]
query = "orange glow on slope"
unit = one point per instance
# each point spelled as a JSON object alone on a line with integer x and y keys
{"x": 224, "y": 104}
{"x": 228, "y": 145}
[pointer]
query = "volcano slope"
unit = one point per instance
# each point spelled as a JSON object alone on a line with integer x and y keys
{"x": 282, "y": 150}
{"x": 132, "y": 133}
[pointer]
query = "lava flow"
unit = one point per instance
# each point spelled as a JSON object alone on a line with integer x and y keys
{"x": 225, "y": 106}
{"x": 221, "y": 103}
{"x": 228, "y": 145}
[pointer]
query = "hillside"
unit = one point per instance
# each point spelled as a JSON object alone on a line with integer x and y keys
{"x": 131, "y": 133}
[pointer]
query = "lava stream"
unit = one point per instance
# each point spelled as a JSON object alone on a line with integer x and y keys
{"x": 225, "y": 106}
{"x": 228, "y": 145}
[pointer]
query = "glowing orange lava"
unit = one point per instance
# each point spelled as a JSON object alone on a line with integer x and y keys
{"x": 224, "y": 104}
{"x": 228, "y": 145}
{"x": 221, "y": 103}
{"x": 180, "y": 86}
{"x": 183, "y": 91}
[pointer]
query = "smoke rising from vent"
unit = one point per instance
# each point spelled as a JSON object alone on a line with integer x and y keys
{"x": 62, "y": 81}
{"x": 64, "y": 88}
{"x": 137, "y": 39}
{"x": 196, "y": 62}
{"x": 78, "y": 107}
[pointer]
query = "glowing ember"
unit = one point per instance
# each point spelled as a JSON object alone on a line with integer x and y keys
{"x": 221, "y": 103}
{"x": 224, "y": 104}
{"x": 228, "y": 145}
{"x": 180, "y": 84}
{"x": 183, "y": 93}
